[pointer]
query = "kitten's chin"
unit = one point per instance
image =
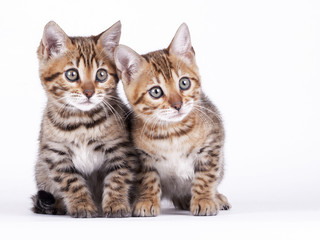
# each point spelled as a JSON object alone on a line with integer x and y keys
{"x": 176, "y": 117}
{"x": 84, "y": 106}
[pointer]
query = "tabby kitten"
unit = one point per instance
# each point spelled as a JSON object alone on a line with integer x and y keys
{"x": 177, "y": 130}
{"x": 86, "y": 160}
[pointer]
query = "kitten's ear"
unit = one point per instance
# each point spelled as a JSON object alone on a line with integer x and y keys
{"x": 110, "y": 38}
{"x": 54, "y": 40}
{"x": 128, "y": 62}
{"x": 181, "y": 44}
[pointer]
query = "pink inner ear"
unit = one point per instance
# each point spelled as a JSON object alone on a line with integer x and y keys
{"x": 54, "y": 45}
{"x": 54, "y": 39}
{"x": 181, "y": 43}
{"x": 188, "y": 54}
{"x": 110, "y": 38}
{"x": 127, "y": 61}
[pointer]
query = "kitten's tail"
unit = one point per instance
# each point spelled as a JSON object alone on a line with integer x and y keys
{"x": 45, "y": 203}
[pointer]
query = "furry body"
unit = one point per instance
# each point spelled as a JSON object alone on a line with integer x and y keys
{"x": 177, "y": 130}
{"x": 86, "y": 159}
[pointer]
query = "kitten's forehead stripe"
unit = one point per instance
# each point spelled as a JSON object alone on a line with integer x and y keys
{"x": 86, "y": 49}
{"x": 160, "y": 63}
{"x": 97, "y": 62}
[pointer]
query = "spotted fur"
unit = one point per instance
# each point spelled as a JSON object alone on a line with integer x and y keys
{"x": 86, "y": 159}
{"x": 179, "y": 136}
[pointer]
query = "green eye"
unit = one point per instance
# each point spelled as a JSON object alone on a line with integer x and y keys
{"x": 72, "y": 75}
{"x": 156, "y": 92}
{"x": 102, "y": 75}
{"x": 184, "y": 83}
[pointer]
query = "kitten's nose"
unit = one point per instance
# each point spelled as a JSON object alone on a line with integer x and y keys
{"x": 88, "y": 93}
{"x": 176, "y": 105}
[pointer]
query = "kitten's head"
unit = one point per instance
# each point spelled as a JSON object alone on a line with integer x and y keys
{"x": 78, "y": 73}
{"x": 163, "y": 85}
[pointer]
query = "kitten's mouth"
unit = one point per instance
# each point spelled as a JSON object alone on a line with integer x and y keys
{"x": 88, "y": 102}
{"x": 86, "y": 105}
{"x": 177, "y": 115}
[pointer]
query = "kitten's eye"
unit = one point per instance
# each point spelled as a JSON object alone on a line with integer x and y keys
{"x": 102, "y": 75}
{"x": 184, "y": 83}
{"x": 72, "y": 75}
{"x": 156, "y": 92}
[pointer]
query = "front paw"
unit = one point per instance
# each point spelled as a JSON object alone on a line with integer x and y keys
{"x": 146, "y": 208}
{"x": 223, "y": 202}
{"x": 204, "y": 207}
{"x": 117, "y": 210}
{"x": 83, "y": 210}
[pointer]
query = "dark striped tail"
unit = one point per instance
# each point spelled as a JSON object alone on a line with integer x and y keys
{"x": 45, "y": 203}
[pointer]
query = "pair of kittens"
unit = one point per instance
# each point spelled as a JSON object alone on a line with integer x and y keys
{"x": 99, "y": 158}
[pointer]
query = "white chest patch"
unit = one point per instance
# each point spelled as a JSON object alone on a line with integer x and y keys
{"x": 86, "y": 160}
{"x": 175, "y": 164}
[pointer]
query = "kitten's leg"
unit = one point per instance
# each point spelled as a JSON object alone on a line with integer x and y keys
{"x": 68, "y": 182}
{"x": 149, "y": 189}
{"x": 148, "y": 202}
{"x": 118, "y": 181}
{"x": 206, "y": 179}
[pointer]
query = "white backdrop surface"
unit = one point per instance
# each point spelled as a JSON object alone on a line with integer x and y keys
{"x": 260, "y": 64}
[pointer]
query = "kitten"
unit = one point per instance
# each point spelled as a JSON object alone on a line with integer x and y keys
{"x": 86, "y": 159}
{"x": 177, "y": 130}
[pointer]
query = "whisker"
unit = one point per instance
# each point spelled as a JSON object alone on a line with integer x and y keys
{"x": 117, "y": 102}
{"x": 115, "y": 113}
{"x": 209, "y": 110}
{"x": 145, "y": 124}
{"x": 204, "y": 116}
{"x": 128, "y": 114}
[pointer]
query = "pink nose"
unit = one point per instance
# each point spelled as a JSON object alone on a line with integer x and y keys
{"x": 176, "y": 105}
{"x": 88, "y": 93}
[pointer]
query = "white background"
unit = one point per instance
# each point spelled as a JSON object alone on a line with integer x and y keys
{"x": 260, "y": 64}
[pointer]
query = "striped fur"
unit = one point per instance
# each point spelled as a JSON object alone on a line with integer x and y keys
{"x": 181, "y": 157}
{"x": 86, "y": 160}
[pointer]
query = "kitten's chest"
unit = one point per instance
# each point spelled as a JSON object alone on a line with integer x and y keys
{"x": 175, "y": 161}
{"x": 85, "y": 159}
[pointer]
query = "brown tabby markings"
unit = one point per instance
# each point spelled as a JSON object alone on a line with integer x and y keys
{"x": 86, "y": 161}
{"x": 52, "y": 77}
{"x": 160, "y": 63}
{"x": 180, "y": 160}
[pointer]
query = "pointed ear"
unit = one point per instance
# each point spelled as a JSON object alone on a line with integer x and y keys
{"x": 181, "y": 44}
{"x": 54, "y": 40}
{"x": 128, "y": 62}
{"x": 110, "y": 38}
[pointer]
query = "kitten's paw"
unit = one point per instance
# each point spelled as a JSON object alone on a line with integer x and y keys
{"x": 204, "y": 207}
{"x": 84, "y": 210}
{"x": 146, "y": 208}
{"x": 223, "y": 202}
{"x": 117, "y": 210}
